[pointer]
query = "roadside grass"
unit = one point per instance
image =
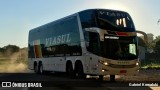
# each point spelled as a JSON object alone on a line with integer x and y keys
{"x": 7, "y": 60}
{"x": 150, "y": 64}
{"x": 4, "y": 61}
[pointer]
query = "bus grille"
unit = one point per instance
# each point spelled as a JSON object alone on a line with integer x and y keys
{"x": 122, "y": 66}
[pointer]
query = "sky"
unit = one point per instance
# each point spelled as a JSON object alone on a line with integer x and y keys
{"x": 17, "y": 17}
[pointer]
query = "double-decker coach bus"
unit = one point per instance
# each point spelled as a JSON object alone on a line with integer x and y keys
{"x": 90, "y": 42}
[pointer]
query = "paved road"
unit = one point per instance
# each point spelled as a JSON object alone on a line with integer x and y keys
{"x": 59, "y": 81}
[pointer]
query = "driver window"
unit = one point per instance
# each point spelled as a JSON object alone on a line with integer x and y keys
{"x": 92, "y": 42}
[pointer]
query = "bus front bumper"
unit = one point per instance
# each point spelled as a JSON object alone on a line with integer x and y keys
{"x": 106, "y": 70}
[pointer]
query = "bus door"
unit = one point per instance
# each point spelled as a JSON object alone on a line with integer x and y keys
{"x": 92, "y": 45}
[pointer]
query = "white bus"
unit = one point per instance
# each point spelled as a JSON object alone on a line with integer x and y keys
{"x": 90, "y": 42}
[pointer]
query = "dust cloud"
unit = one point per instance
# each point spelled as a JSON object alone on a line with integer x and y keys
{"x": 16, "y": 63}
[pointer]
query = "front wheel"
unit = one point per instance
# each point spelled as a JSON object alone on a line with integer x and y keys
{"x": 79, "y": 71}
{"x": 112, "y": 78}
{"x": 101, "y": 77}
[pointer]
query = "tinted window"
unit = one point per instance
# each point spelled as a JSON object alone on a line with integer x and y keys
{"x": 120, "y": 48}
{"x": 114, "y": 20}
{"x": 92, "y": 42}
{"x": 88, "y": 19}
{"x": 30, "y": 51}
{"x": 60, "y": 38}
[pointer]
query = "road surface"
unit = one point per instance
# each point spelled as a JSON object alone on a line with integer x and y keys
{"x": 59, "y": 81}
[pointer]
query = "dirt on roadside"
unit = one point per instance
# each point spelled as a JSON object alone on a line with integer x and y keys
{"x": 144, "y": 75}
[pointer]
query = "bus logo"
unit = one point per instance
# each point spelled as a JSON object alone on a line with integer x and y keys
{"x": 65, "y": 38}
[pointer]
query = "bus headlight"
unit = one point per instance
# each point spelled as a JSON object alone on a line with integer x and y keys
{"x": 137, "y": 63}
{"x": 105, "y": 63}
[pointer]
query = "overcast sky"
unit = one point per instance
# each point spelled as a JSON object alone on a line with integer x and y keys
{"x": 17, "y": 17}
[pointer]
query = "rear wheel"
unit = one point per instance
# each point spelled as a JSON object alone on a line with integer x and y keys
{"x": 70, "y": 71}
{"x": 36, "y": 68}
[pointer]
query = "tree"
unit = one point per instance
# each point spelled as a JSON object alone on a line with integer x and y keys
{"x": 10, "y": 49}
{"x": 1, "y": 50}
{"x": 157, "y": 47}
{"x": 141, "y": 42}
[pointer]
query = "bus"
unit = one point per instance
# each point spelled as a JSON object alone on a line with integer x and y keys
{"x": 90, "y": 42}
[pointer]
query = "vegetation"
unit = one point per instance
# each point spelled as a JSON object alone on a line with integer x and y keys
{"x": 8, "y": 50}
{"x": 150, "y": 64}
{"x": 141, "y": 42}
{"x": 152, "y": 56}
{"x": 157, "y": 47}
{"x": 13, "y": 59}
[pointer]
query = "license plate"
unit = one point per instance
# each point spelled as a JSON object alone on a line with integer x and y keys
{"x": 123, "y": 71}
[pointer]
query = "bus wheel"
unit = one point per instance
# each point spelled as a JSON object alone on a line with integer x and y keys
{"x": 36, "y": 68}
{"x": 40, "y": 69}
{"x": 100, "y": 77}
{"x": 79, "y": 71}
{"x": 112, "y": 78}
{"x": 70, "y": 71}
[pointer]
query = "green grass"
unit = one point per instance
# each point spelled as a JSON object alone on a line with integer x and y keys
{"x": 154, "y": 66}
{"x": 150, "y": 64}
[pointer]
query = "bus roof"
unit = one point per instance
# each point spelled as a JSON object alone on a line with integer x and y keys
{"x": 102, "y": 9}
{"x": 58, "y": 20}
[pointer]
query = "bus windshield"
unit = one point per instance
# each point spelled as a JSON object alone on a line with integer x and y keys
{"x": 120, "y": 48}
{"x": 115, "y": 21}
{"x": 113, "y": 47}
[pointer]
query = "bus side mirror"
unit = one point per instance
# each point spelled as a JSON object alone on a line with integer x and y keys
{"x": 144, "y": 34}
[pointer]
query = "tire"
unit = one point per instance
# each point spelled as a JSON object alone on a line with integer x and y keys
{"x": 112, "y": 78}
{"x": 36, "y": 68}
{"x": 79, "y": 71}
{"x": 40, "y": 69}
{"x": 70, "y": 71}
{"x": 100, "y": 77}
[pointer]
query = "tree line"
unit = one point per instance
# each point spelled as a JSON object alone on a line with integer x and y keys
{"x": 8, "y": 50}
{"x": 153, "y": 44}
